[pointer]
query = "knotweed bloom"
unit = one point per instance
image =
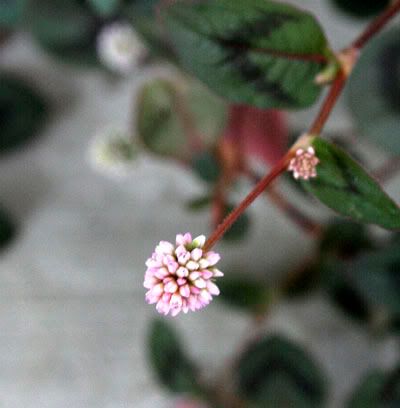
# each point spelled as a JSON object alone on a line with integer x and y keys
{"x": 181, "y": 277}
{"x": 304, "y": 163}
{"x": 119, "y": 48}
{"x": 112, "y": 152}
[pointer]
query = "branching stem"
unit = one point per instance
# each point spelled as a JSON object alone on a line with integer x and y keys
{"x": 347, "y": 59}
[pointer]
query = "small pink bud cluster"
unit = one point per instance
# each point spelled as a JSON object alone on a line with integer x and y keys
{"x": 180, "y": 277}
{"x": 304, "y": 163}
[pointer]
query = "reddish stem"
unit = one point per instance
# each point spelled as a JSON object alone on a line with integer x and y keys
{"x": 377, "y": 25}
{"x": 315, "y": 128}
{"x": 279, "y": 168}
{"x": 293, "y": 213}
{"x": 188, "y": 123}
{"x": 328, "y": 104}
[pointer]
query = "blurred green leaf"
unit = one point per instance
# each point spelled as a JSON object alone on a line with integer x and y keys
{"x": 11, "y": 12}
{"x": 66, "y": 30}
{"x": 82, "y": 54}
{"x": 173, "y": 368}
{"x": 376, "y": 275}
{"x": 255, "y": 52}
{"x": 244, "y": 293}
{"x": 7, "y": 228}
{"x": 340, "y": 290}
{"x": 344, "y": 238}
{"x": 305, "y": 280}
{"x": 143, "y": 14}
{"x": 274, "y": 372}
{"x": 22, "y": 112}
{"x": 377, "y": 390}
{"x": 362, "y": 8}
{"x": 59, "y": 22}
{"x": 344, "y": 186}
{"x": 164, "y": 106}
{"x": 368, "y": 391}
{"x": 199, "y": 203}
{"x": 105, "y": 8}
{"x": 374, "y": 91}
{"x": 158, "y": 124}
{"x": 239, "y": 229}
{"x": 206, "y": 166}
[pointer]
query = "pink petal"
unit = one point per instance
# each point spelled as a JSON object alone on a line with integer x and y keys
{"x": 184, "y": 239}
{"x": 213, "y": 288}
{"x": 203, "y": 263}
{"x": 171, "y": 287}
{"x": 182, "y": 272}
{"x": 206, "y": 274}
{"x": 157, "y": 290}
{"x": 192, "y": 265}
{"x": 212, "y": 258}
{"x": 205, "y": 296}
{"x": 217, "y": 273}
{"x": 194, "y": 275}
{"x": 184, "y": 291}
{"x": 161, "y": 273}
{"x": 150, "y": 282}
{"x": 196, "y": 254}
{"x": 165, "y": 247}
{"x": 200, "y": 283}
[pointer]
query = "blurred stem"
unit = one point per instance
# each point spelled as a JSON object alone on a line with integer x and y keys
{"x": 3, "y": 36}
{"x": 347, "y": 59}
{"x": 188, "y": 123}
{"x": 388, "y": 170}
{"x": 376, "y": 26}
{"x": 228, "y": 159}
{"x": 328, "y": 105}
{"x": 302, "y": 220}
{"x": 279, "y": 168}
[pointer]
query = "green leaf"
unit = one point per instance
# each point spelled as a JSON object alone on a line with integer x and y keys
{"x": 345, "y": 238}
{"x": 244, "y": 294}
{"x": 105, "y": 8}
{"x": 143, "y": 15}
{"x": 172, "y": 367}
{"x": 304, "y": 281}
{"x": 377, "y": 390}
{"x": 361, "y": 8}
{"x": 158, "y": 124}
{"x": 374, "y": 92}
{"x": 206, "y": 166}
{"x": 335, "y": 280}
{"x": 367, "y": 393}
{"x": 66, "y": 30}
{"x": 255, "y": 52}
{"x": 376, "y": 275}
{"x": 59, "y": 22}
{"x": 199, "y": 203}
{"x": 7, "y": 229}
{"x": 239, "y": 229}
{"x": 22, "y": 112}
{"x": 274, "y": 372}
{"x": 163, "y": 108}
{"x": 11, "y": 12}
{"x": 344, "y": 186}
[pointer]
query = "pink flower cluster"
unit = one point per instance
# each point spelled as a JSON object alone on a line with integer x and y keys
{"x": 304, "y": 163}
{"x": 180, "y": 277}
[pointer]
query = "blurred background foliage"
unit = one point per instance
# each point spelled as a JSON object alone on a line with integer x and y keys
{"x": 180, "y": 119}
